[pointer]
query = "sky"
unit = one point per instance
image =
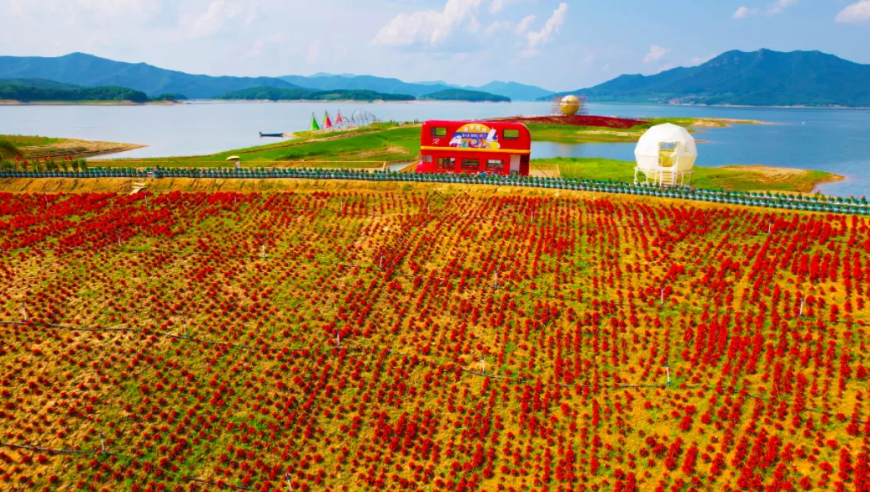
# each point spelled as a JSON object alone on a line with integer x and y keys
{"x": 555, "y": 44}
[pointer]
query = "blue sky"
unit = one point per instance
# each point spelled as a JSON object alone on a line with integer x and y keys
{"x": 557, "y": 44}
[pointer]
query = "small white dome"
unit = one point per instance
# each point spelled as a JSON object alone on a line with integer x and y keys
{"x": 650, "y": 147}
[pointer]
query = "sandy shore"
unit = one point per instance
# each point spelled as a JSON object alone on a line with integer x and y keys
{"x": 77, "y": 149}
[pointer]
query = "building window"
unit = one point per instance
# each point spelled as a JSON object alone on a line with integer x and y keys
{"x": 495, "y": 165}
{"x": 511, "y": 134}
{"x": 439, "y": 131}
{"x": 447, "y": 163}
{"x": 471, "y": 164}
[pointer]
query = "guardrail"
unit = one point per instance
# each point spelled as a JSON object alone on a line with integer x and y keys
{"x": 816, "y": 203}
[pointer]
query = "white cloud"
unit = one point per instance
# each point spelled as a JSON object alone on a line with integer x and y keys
{"x": 427, "y": 26}
{"x": 524, "y": 24}
{"x": 498, "y": 26}
{"x": 550, "y": 29}
{"x": 473, "y": 24}
{"x": 498, "y": 5}
{"x": 100, "y": 8}
{"x": 216, "y": 18}
{"x": 261, "y": 43}
{"x": 744, "y": 12}
{"x": 775, "y": 8}
{"x": 314, "y": 52}
{"x": 779, "y": 6}
{"x": 856, "y": 13}
{"x": 655, "y": 54}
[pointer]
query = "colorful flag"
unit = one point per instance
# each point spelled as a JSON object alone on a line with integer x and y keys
{"x": 327, "y": 123}
{"x": 314, "y": 126}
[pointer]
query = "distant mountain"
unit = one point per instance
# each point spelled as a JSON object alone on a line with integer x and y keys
{"x": 275, "y": 94}
{"x": 92, "y": 71}
{"x": 42, "y": 83}
{"x": 362, "y": 82}
{"x": 759, "y": 78}
{"x": 464, "y": 95}
{"x": 29, "y": 93}
{"x": 514, "y": 91}
{"x": 435, "y": 82}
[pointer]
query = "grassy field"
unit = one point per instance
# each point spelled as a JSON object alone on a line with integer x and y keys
{"x": 29, "y": 140}
{"x": 389, "y": 336}
{"x": 588, "y": 134}
{"x": 735, "y": 178}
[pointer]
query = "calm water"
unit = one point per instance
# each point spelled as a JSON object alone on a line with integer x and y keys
{"x": 830, "y": 140}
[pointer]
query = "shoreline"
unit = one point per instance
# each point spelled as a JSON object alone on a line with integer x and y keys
{"x": 737, "y": 106}
{"x": 349, "y": 101}
{"x": 9, "y": 102}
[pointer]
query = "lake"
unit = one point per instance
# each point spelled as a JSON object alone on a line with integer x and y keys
{"x": 826, "y": 139}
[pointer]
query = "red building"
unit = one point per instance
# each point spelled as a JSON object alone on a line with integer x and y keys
{"x": 475, "y": 147}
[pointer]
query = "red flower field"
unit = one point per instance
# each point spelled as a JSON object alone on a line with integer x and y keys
{"x": 417, "y": 340}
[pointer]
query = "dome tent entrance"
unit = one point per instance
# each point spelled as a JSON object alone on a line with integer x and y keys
{"x": 665, "y": 155}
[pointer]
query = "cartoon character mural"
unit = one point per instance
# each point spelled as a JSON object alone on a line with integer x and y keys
{"x": 475, "y": 136}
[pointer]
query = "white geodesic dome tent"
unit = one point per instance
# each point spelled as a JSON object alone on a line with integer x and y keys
{"x": 665, "y": 155}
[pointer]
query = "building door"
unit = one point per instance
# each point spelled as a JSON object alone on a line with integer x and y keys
{"x": 515, "y": 164}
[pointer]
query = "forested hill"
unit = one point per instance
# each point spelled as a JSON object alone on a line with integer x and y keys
{"x": 465, "y": 95}
{"x": 276, "y": 94}
{"x": 759, "y": 78}
{"x": 16, "y": 91}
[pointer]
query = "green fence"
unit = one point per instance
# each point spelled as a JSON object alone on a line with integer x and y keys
{"x": 770, "y": 200}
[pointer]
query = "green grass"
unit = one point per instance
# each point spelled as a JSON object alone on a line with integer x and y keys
{"x": 374, "y": 146}
{"x": 594, "y": 134}
{"x": 734, "y": 178}
{"x": 30, "y": 141}
{"x": 391, "y": 144}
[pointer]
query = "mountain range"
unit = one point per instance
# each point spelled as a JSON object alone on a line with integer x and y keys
{"x": 321, "y": 81}
{"x": 91, "y": 71}
{"x": 758, "y": 78}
